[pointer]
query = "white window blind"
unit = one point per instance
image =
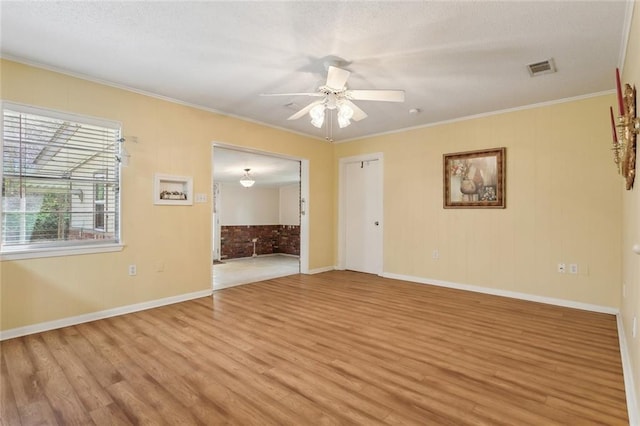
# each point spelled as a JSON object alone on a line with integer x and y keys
{"x": 60, "y": 180}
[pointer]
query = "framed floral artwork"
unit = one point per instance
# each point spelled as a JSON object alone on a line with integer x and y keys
{"x": 475, "y": 179}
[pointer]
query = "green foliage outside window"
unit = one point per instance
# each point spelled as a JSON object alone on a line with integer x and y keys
{"x": 53, "y": 220}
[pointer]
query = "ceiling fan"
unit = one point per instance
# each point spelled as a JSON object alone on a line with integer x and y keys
{"x": 336, "y": 96}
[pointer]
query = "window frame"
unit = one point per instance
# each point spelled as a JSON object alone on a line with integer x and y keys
{"x": 57, "y": 248}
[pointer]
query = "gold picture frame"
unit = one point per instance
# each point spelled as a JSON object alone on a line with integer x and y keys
{"x": 475, "y": 179}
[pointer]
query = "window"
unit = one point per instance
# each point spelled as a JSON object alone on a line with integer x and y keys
{"x": 60, "y": 180}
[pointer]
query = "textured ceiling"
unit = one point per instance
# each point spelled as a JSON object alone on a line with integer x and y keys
{"x": 454, "y": 59}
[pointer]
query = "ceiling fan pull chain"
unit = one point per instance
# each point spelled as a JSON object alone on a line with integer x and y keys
{"x": 329, "y": 136}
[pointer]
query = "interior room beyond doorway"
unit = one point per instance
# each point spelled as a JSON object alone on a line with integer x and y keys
{"x": 256, "y": 226}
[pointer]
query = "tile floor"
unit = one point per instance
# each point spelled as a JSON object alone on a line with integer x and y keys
{"x": 248, "y": 270}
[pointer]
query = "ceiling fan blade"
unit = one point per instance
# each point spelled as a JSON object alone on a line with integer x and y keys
{"x": 376, "y": 95}
{"x": 337, "y": 78}
{"x": 293, "y": 94}
{"x": 305, "y": 110}
{"x": 358, "y": 114}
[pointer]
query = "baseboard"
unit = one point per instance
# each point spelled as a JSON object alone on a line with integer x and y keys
{"x": 93, "y": 316}
{"x": 226, "y": 259}
{"x": 506, "y": 293}
{"x": 627, "y": 370}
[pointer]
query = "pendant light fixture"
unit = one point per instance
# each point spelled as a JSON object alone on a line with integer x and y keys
{"x": 246, "y": 180}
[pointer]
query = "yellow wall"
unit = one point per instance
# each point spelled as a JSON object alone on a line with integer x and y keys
{"x": 563, "y": 204}
{"x": 172, "y": 139}
{"x": 631, "y": 220}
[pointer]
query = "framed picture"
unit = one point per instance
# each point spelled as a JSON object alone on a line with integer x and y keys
{"x": 172, "y": 190}
{"x": 475, "y": 179}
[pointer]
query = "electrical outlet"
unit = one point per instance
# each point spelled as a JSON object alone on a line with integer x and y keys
{"x": 201, "y": 197}
{"x": 573, "y": 268}
{"x": 133, "y": 270}
{"x": 436, "y": 254}
{"x": 634, "y": 329}
{"x": 562, "y": 268}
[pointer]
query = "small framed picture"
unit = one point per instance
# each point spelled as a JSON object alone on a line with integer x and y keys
{"x": 475, "y": 179}
{"x": 173, "y": 190}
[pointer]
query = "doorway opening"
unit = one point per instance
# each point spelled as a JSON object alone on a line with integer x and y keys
{"x": 259, "y": 231}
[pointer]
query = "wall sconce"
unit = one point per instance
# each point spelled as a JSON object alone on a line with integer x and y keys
{"x": 625, "y": 132}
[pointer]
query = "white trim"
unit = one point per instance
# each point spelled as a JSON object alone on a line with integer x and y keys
{"x": 84, "y": 246}
{"x": 483, "y": 115}
{"x": 257, "y": 151}
{"x": 627, "y": 372}
{"x": 626, "y": 32}
{"x": 233, "y": 259}
{"x": 93, "y": 316}
{"x": 321, "y": 270}
{"x": 307, "y": 135}
{"x": 305, "y": 202}
{"x": 61, "y": 115}
{"x": 506, "y": 293}
{"x": 151, "y": 94}
{"x": 304, "y": 194}
{"x": 59, "y": 251}
{"x": 342, "y": 164}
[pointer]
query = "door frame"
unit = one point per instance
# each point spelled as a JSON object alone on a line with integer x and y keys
{"x": 342, "y": 167}
{"x": 215, "y": 202}
{"x": 304, "y": 199}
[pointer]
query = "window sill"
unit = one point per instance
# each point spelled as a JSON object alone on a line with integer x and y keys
{"x": 59, "y": 251}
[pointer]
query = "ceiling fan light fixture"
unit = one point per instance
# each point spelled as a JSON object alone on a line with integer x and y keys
{"x": 343, "y": 122}
{"x": 317, "y": 122}
{"x": 345, "y": 111}
{"x": 334, "y": 95}
{"x": 247, "y": 181}
{"x": 317, "y": 115}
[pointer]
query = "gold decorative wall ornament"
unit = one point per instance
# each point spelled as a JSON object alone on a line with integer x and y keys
{"x": 625, "y": 131}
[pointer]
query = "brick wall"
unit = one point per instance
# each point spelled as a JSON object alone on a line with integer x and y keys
{"x": 235, "y": 241}
{"x": 289, "y": 242}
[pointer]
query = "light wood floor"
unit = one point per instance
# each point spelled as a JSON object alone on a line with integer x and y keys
{"x": 333, "y": 348}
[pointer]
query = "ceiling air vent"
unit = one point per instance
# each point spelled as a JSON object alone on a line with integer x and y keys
{"x": 544, "y": 67}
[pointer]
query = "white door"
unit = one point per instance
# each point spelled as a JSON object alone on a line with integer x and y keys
{"x": 363, "y": 216}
